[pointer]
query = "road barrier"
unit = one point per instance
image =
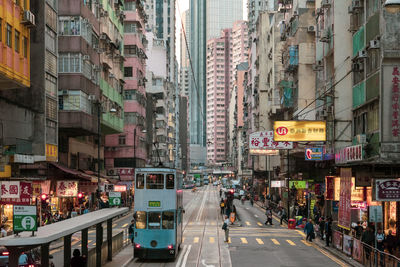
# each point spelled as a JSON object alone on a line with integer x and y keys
{"x": 117, "y": 245}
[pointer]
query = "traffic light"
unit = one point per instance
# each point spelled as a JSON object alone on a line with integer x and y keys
{"x": 44, "y": 200}
{"x": 81, "y": 198}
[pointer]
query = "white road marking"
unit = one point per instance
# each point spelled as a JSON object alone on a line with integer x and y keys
{"x": 247, "y": 208}
{"x": 181, "y": 256}
{"x": 186, "y": 256}
{"x": 255, "y": 215}
{"x": 201, "y": 207}
{"x": 206, "y": 265}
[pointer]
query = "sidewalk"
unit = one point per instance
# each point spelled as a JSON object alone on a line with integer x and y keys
{"x": 123, "y": 258}
{"x": 320, "y": 244}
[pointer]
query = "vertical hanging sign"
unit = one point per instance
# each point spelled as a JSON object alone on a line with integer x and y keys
{"x": 344, "y": 219}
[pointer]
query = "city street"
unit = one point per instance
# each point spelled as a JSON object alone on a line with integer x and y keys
{"x": 251, "y": 242}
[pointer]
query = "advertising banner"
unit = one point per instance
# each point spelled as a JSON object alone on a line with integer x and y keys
{"x": 349, "y": 154}
{"x": 314, "y": 153}
{"x": 24, "y": 218}
{"x": 298, "y": 184}
{"x": 67, "y": 188}
{"x": 387, "y": 189}
{"x": 344, "y": 219}
{"x": 338, "y": 240}
{"x": 10, "y": 189}
{"x": 262, "y": 143}
{"x": 26, "y": 191}
{"x": 347, "y": 244}
{"x": 330, "y": 187}
{"x": 357, "y": 250}
{"x": 390, "y": 129}
{"x": 375, "y": 214}
{"x": 297, "y": 131}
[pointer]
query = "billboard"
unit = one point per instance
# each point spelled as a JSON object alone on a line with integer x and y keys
{"x": 387, "y": 189}
{"x": 314, "y": 153}
{"x": 344, "y": 219}
{"x": 297, "y": 131}
{"x": 263, "y": 143}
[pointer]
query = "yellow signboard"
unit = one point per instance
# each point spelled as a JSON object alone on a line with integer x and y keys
{"x": 298, "y": 131}
{"x": 51, "y": 152}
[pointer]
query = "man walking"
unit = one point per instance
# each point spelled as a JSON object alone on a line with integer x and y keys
{"x": 283, "y": 215}
{"x": 269, "y": 216}
{"x": 131, "y": 230}
{"x": 328, "y": 230}
{"x": 309, "y": 230}
{"x": 225, "y": 227}
{"x": 222, "y": 206}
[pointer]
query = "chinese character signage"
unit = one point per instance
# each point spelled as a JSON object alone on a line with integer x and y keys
{"x": 358, "y": 205}
{"x": 126, "y": 171}
{"x": 114, "y": 198}
{"x": 349, "y": 154}
{"x": 330, "y": 187}
{"x": 51, "y": 153}
{"x": 277, "y": 184}
{"x": 345, "y": 198}
{"x": 314, "y": 153}
{"x": 154, "y": 204}
{"x": 387, "y": 189}
{"x": 120, "y": 188}
{"x": 390, "y": 102}
{"x": 10, "y": 189}
{"x": 24, "y": 218}
{"x": 297, "y": 131}
{"x": 262, "y": 143}
{"x": 67, "y": 188}
{"x": 25, "y": 195}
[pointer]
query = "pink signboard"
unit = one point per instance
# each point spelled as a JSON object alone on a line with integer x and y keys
{"x": 67, "y": 188}
{"x": 264, "y": 141}
{"x": 344, "y": 219}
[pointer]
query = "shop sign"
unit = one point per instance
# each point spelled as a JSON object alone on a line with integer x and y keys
{"x": 67, "y": 188}
{"x": 51, "y": 152}
{"x": 154, "y": 204}
{"x": 375, "y": 213}
{"x": 298, "y": 184}
{"x": 330, "y": 187}
{"x": 338, "y": 240}
{"x": 24, "y": 218}
{"x": 297, "y": 131}
{"x": 358, "y": 205}
{"x": 347, "y": 244}
{"x": 36, "y": 189}
{"x": 108, "y": 187}
{"x": 114, "y": 198}
{"x": 349, "y": 154}
{"x": 262, "y": 143}
{"x": 387, "y": 189}
{"x": 10, "y": 189}
{"x": 314, "y": 153}
{"x": 25, "y": 196}
{"x": 277, "y": 184}
{"x": 391, "y": 107}
{"x": 126, "y": 171}
{"x": 120, "y": 188}
{"x": 357, "y": 250}
{"x": 344, "y": 219}
{"x": 21, "y": 158}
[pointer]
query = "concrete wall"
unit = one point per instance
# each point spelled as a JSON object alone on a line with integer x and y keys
{"x": 117, "y": 245}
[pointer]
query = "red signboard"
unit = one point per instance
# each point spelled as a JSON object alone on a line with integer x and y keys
{"x": 387, "y": 189}
{"x": 119, "y": 188}
{"x": 330, "y": 187}
{"x": 344, "y": 219}
{"x": 395, "y": 102}
{"x": 25, "y": 195}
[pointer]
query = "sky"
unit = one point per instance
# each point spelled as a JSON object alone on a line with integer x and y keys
{"x": 182, "y": 6}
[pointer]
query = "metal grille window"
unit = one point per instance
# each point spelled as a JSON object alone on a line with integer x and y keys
{"x": 121, "y": 140}
{"x": 70, "y": 25}
{"x": 131, "y": 6}
{"x": 51, "y": 108}
{"x": 51, "y": 85}
{"x": 51, "y": 63}
{"x": 50, "y": 40}
{"x": 130, "y": 50}
{"x": 51, "y": 17}
{"x": 130, "y": 27}
{"x": 128, "y": 72}
{"x": 70, "y": 62}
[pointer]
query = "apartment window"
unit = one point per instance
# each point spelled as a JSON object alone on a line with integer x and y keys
{"x": 51, "y": 108}
{"x": 70, "y": 62}
{"x": 131, "y": 6}
{"x": 130, "y": 27}
{"x": 9, "y": 35}
{"x": 121, "y": 140}
{"x": 51, "y": 17}
{"x": 17, "y": 38}
{"x": 75, "y": 100}
{"x": 25, "y": 46}
{"x": 70, "y": 25}
{"x": 373, "y": 117}
{"x": 51, "y": 85}
{"x": 128, "y": 72}
{"x": 50, "y": 39}
{"x": 130, "y": 50}
{"x": 50, "y": 62}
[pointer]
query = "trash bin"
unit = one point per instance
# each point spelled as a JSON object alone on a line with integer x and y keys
{"x": 292, "y": 224}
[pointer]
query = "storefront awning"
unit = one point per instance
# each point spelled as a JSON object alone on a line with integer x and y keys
{"x": 76, "y": 173}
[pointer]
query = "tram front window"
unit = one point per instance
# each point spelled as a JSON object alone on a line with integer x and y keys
{"x": 168, "y": 220}
{"x": 141, "y": 219}
{"x": 154, "y": 220}
{"x": 155, "y": 181}
{"x": 170, "y": 181}
{"x": 140, "y": 181}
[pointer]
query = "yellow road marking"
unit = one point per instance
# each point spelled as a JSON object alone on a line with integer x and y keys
{"x": 90, "y": 241}
{"x": 259, "y": 241}
{"x": 247, "y": 223}
{"x": 212, "y": 240}
{"x": 290, "y": 242}
{"x": 276, "y": 242}
{"x": 74, "y": 242}
{"x": 259, "y": 224}
{"x": 114, "y": 225}
{"x": 125, "y": 225}
{"x": 229, "y": 240}
{"x": 94, "y": 244}
{"x": 301, "y": 233}
{"x": 196, "y": 240}
{"x": 341, "y": 263}
{"x": 213, "y": 223}
{"x": 306, "y": 243}
{"x": 244, "y": 240}
{"x": 183, "y": 239}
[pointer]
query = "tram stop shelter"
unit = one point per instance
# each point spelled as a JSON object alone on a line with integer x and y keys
{"x": 64, "y": 229}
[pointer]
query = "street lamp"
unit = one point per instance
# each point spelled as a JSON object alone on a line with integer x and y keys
{"x": 392, "y": 6}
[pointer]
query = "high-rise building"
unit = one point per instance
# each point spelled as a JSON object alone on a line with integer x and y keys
{"x": 221, "y": 14}
{"x": 184, "y": 60}
{"x": 128, "y": 149}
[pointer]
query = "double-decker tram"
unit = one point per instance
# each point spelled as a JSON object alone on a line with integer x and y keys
{"x": 158, "y": 213}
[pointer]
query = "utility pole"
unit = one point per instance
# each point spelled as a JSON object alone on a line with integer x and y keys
{"x": 98, "y": 145}
{"x": 134, "y": 148}
{"x": 288, "y": 186}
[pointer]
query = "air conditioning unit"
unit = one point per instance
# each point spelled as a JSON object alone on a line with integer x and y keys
{"x": 311, "y": 28}
{"x": 91, "y": 97}
{"x": 86, "y": 57}
{"x": 28, "y": 19}
{"x": 374, "y": 44}
{"x": 362, "y": 54}
{"x": 326, "y": 3}
{"x": 357, "y": 4}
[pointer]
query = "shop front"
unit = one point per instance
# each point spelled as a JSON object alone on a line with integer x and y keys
{"x": 388, "y": 192}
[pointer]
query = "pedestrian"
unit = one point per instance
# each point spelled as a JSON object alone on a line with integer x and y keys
{"x": 283, "y": 215}
{"x": 309, "y": 230}
{"x": 390, "y": 242}
{"x": 220, "y": 192}
{"x": 328, "y": 230}
{"x": 77, "y": 260}
{"x": 322, "y": 226}
{"x": 222, "y": 206}
{"x": 268, "y": 212}
{"x": 225, "y": 227}
{"x": 380, "y": 237}
{"x": 131, "y": 230}
{"x": 3, "y": 231}
{"x": 369, "y": 239}
{"x": 359, "y": 230}
{"x": 251, "y": 201}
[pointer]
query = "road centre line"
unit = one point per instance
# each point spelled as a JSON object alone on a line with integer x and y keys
{"x": 290, "y": 242}
{"x": 259, "y": 241}
{"x": 276, "y": 242}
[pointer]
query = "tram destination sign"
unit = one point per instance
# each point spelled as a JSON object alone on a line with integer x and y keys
{"x": 154, "y": 204}
{"x": 24, "y": 218}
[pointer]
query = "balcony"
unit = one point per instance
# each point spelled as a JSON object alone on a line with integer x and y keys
{"x": 77, "y": 123}
{"x": 288, "y": 94}
{"x": 292, "y": 58}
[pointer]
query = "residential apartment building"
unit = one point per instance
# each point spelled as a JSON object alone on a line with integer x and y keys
{"x": 128, "y": 149}
{"x": 90, "y": 80}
